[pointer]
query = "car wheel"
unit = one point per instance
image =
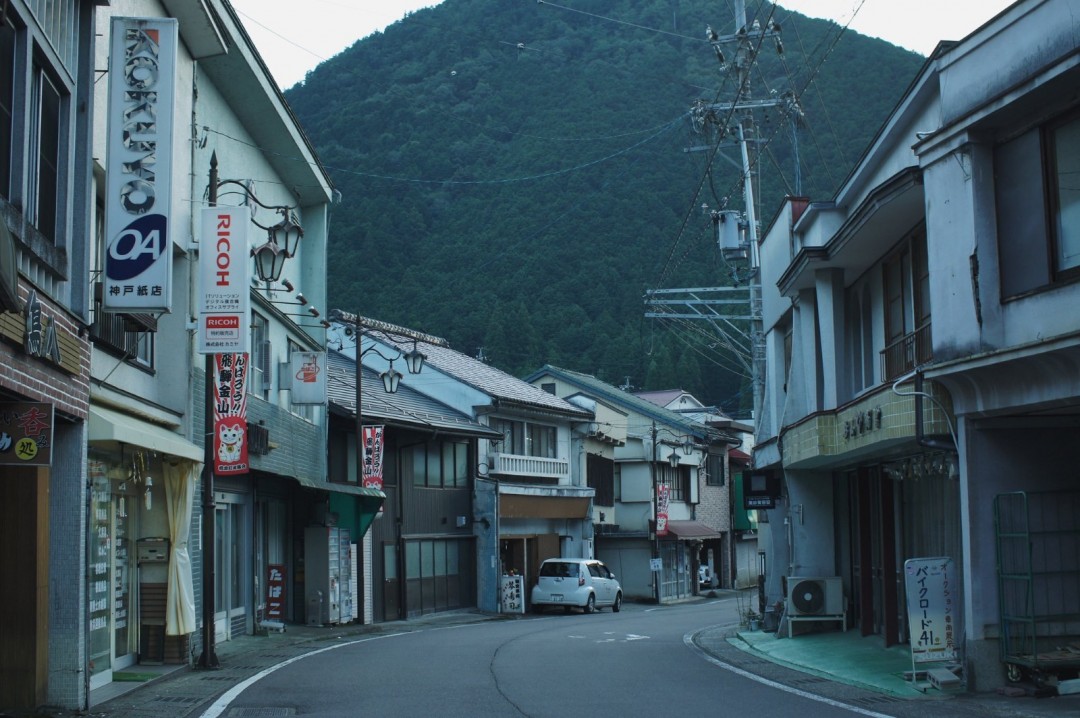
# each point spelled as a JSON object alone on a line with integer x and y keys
{"x": 590, "y": 605}
{"x": 617, "y": 606}
{"x": 538, "y": 608}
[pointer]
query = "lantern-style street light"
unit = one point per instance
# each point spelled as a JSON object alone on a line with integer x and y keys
{"x": 283, "y": 240}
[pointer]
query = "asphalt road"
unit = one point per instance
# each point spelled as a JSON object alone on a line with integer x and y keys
{"x": 640, "y": 662}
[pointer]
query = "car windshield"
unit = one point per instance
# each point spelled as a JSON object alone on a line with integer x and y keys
{"x": 559, "y": 569}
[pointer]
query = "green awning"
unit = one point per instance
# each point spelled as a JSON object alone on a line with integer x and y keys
{"x": 356, "y": 506}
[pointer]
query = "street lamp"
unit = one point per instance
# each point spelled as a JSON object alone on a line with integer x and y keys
{"x": 282, "y": 242}
{"x": 673, "y": 460}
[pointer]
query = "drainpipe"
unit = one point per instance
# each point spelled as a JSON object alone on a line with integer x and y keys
{"x": 920, "y": 438}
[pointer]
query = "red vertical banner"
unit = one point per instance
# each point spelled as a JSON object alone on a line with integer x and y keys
{"x": 661, "y": 509}
{"x": 230, "y": 413}
{"x": 275, "y": 592}
{"x": 373, "y": 457}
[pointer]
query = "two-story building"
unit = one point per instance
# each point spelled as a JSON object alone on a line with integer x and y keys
{"x": 420, "y": 554}
{"x": 185, "y": 553}
{"x": 46, "y": 194}
{"x": 528, "y": 503}
{"x": 662, "y": 489}
{"x": 921, "y": 383}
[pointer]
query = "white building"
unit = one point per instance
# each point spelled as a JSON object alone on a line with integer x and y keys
{"x": 220, "y": 134}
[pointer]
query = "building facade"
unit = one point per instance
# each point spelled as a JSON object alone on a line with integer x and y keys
{"x": 47, "y": 62}
{"x": 921, "y": 383}
{"x": 662, "y": 464}
{"x": 161, "y": 517}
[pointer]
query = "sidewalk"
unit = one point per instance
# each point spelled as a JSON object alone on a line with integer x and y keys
{"x": 836, "y": 660}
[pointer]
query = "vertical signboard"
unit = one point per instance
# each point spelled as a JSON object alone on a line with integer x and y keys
{"x": 373, "y": 457}
{"x": 661, "y": 509}
{"x": 138, "y": 165}
{"x": 275, "y": 592}
{"x": 230, "y": 414}
{"x": 930, "y": 587}
{"x": 224, "y": 281}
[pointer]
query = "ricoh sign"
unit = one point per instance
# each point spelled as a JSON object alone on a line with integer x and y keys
{"x": 138, "y": 187}
{"x": 224, "y": 280}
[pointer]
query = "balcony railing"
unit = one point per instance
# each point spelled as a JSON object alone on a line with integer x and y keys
{"x": 537, "y": 468}
{"x": 906, "y": 353}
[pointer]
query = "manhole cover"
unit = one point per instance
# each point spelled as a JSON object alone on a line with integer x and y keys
{"x": 264, "y": 712}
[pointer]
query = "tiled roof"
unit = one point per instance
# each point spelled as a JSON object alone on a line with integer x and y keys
{"x": 617, "y": 396}
{"x": 406, "y": 407}
{"x": 504, "y": 388}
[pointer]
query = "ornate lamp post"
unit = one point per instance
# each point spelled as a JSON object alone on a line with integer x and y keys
{"x": 282, "y": 241}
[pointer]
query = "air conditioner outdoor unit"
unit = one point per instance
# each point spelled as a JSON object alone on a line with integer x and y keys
{"x": 815, "y": 596}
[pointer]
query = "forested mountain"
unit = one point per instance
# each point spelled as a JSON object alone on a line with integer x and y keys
{"x": 515, "y": 175}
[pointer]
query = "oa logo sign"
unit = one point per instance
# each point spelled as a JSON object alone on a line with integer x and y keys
{"x": 137, "y": 247}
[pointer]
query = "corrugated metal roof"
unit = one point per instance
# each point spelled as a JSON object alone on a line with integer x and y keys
{"x": 405, "y": 407}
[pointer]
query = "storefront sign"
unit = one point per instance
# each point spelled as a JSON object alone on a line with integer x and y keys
{"x": 275, "y": 592}
{"x": 930, "y": 586}
{"x": 230, "y": 413}
{"x": 662, "y": 510}
{"x": 138, "y": 165}
{"x": 373, "y": 457}
{"x": 863, "y": 422}
{"x": 224, "y": 280}
{"x": 40, "y": 339}
{"x": 308, "y": 377}
{"x": 26, "y": 432}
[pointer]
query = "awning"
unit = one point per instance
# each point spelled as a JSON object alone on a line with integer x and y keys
{"x": 739, "y": 455}
{"x": 691, "y": 531}
{"x": 340, "y": 488}
{"x": 108, "y": 425}
{"x": 357, "y": 505}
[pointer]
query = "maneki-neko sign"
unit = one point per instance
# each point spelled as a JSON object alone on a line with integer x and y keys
{"x": 230, "y": 414}
{"x": 26, "y": 433}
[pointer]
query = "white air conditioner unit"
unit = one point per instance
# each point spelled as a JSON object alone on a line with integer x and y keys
{"x": 815, "y": 596}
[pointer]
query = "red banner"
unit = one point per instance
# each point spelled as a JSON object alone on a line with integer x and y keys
{"x": 230, "y": 413}
{"x": 661, "y": 509}
{"x": 275, "y": 592}
{"x": 373, "y": 457}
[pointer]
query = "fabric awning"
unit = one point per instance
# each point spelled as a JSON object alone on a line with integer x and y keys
{"x": 691, "y": 531}
{"x": 110, "y": 425}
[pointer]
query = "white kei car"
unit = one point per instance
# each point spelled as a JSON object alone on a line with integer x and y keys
{"x": 569, "y": 582}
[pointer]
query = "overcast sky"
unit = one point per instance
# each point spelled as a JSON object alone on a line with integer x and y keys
{"x": 294, "y": 36}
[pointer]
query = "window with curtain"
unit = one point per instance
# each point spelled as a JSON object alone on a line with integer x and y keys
{"x": 438, "y": 464}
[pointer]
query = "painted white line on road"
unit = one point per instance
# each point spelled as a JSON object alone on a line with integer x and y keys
{"x": 688, "y": 639}
{"x": 230, "y": 695}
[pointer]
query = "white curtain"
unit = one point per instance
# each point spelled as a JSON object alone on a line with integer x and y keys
{"x": 180, "y": 497}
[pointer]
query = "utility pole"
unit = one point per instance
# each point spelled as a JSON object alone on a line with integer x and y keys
{"x": 741, "y": 333}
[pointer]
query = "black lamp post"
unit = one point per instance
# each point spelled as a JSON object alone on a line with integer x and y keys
{"x": 282, "y": 241}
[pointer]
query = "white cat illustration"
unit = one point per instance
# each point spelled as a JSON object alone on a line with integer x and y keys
{"x": 232, "y": 438}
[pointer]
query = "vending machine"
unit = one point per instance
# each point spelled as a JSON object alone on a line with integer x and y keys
{"x": 327, "y": 575}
